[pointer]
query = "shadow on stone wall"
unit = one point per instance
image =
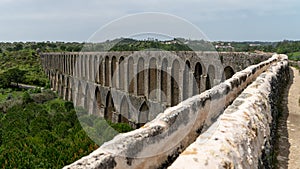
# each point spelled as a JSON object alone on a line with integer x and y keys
{"x": 282, "y": 147}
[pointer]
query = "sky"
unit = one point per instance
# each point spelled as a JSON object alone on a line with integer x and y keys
{"x": 78, "y": 20}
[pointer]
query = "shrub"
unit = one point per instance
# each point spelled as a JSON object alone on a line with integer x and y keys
{"x": 35, "y": 90}
{"x": 121, "y": 127}
{"x": 62, "y": 129}
{"x": 38, "y": 124}
{"x": 68, "y": 106}
{"x": 45, "y": 96}
{"x": 26, "y": 98}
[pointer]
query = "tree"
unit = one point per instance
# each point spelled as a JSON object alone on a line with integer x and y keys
{"x": 4, "y": 82}
{"x": 15, "y": 75}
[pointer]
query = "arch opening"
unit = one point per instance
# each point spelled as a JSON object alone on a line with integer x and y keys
{"x": 109, "y": 107}
{"x": 164, "y": 80}
{"x": 152, "y": 79}
{"x": 174, "y": 83}
{"x": 98, "y": 100}
{"x": 106, "y": 70}
{"x": 121, "y": 73}
{"x": 113, "y": 71}
{"x": 197, "y": 75}
{"x": 130, "y": 77}
{"x": 143, "y": 115}
{"x": 186, "y": 79}
{"x": 124, "y": 112}
{"x": 228, "y": 73}
{"x": 87, "y": 97}
{"x": 79, "y": 94}
{"x": 210, "y": 77}
{"x": 140, "y": 77}
{"x": 100, "y": 72}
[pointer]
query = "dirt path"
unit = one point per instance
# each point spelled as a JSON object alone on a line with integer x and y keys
{"x": 289, "y": 126}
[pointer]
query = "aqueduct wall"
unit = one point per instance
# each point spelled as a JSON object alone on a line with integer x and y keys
{"x": 135, "y": 87}
{"x": 195, "y": 133}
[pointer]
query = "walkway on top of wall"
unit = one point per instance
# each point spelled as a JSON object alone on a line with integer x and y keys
{"x": 289, "y": 129}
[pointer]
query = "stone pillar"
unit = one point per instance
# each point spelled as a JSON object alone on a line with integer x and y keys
{"x": 191, "y": 82}
{"x": 180, "y": 84}
{"x": 61, "y": 63}
{"x": 91, "y": 67}
{"x": 125, "y": 80}
{"x": 146, "y": 79}
{"x": 101, "y": 76}
{"x": 158, "y": 84}
{"x": 64, "y": 63}
{"x": 135, "y": 69}
{"x": 115, "y": 117}
{"x": 87, "y": 68}
{"x": 80, "y": 66}
{"x": 82, "y": 60}
{"x": 168, "y": 95}
{"x": 116, "y": 76}
{"x": 56, "y": 81}
{"x": 94, "y": 75}
{"x": 68, "y": 64}
{"x": 65, "y": 93}
{"x": 109, "y": 74}
{"x": 203, "y": 83}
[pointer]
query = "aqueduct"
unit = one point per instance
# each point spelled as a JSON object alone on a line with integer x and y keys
{"x": 195, "y": 117}
{"x": 127, "y": 86}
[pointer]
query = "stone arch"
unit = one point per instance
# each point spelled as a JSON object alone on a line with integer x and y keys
{"x": 164, "y": 80}
{"x": 98, "y": 99}
{"x": 113, "y": 71}
{"x": 152, "y": 81}
{"x": 143, "y": 114}
{"x": 197, "y": 75}
{"x": 186, "y": 80}
{"x": 174, "y": 83}
{"x": 109, "y": 107}
{"x": 210, "y": 77}
{"x": 130, "y": 75}
{"x": 121, "y": 73}
{"x": 124, "y": 111}
{"x": 140, "y": 77}
{"x": 228, "y": 72}
{"x": 106, "y": 71}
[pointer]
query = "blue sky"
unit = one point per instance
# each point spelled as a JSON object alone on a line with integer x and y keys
{"x": 77, "y": 20}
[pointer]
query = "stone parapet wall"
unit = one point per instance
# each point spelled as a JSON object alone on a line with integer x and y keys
{"x": 159, "y": 142}
{"x": 243, "y": 135}
{"x": 294, "y": 63}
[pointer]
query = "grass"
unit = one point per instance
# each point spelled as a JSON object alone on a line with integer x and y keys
{"x": 5, "y": 94}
